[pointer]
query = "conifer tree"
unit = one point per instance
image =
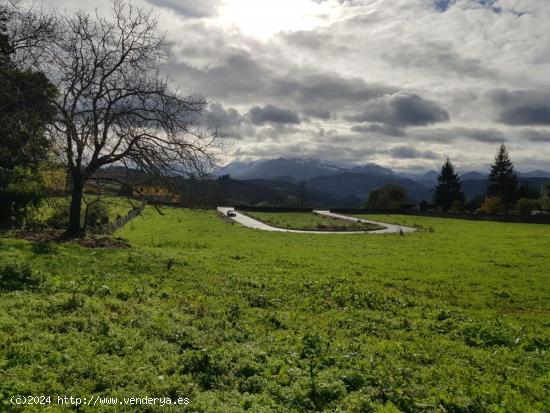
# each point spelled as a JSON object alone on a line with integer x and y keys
{"x": 503, "y": 182}
{"x": 449, "y": 188}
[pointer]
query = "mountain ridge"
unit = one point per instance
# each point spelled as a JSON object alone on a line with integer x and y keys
{"x": 302, "y": 169}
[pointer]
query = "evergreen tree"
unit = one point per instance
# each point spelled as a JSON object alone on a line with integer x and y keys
{"x": 449, "y": 189}
{"x": 503, "y": 182}
{"x": 25, "y": 109}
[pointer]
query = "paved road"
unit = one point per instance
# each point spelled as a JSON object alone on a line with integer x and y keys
{"x": 390, "y": 228}
{"x": 253, "y": 223}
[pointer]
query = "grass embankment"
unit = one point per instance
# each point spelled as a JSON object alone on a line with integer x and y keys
{"x": 310, "y": 222}
{"x": 454, "y": 320}
{"x": 52, "y": 207}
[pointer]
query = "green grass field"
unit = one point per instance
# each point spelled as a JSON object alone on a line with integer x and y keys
{"x": 310, "y": 222}
{"x": 456, "y": 319}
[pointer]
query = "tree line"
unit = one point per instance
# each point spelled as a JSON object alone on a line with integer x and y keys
{"x": 503, "y": 192}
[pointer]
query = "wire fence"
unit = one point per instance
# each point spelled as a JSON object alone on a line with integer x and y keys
{"x": 122, "y": 221}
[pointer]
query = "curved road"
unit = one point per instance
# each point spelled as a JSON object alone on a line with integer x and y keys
{"x": 255, "y": 224}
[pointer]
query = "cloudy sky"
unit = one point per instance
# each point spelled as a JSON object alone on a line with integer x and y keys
{"x": 403, "y": 83}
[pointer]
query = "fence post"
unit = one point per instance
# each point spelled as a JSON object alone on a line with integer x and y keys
{"x": 122, "y": 221}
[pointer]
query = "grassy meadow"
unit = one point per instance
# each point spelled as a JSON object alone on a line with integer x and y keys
{"x": 453, "y": 318}
{"x": 310, "y": 222}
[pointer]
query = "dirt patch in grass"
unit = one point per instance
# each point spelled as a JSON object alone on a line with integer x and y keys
{"x": 58, "y": 236}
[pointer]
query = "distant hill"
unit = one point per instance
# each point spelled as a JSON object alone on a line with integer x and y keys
{"x": 289, "y": 169}
{"x": 534, "y": 174}
{"x": 372, "y": 169}
{"x": 430, "y": 176}
{"x": 237, "y": 168}
{"x": 297, "y": 169}
{"x": 277, "y": 193}
{"x": 472, "y": 176}
{"x": 474, "y": 188}
{"x": 277, "y": 182}
{"x": 478, "y": 187}
{"x": 427, "y": 179}
{"x": 360, "y": 185}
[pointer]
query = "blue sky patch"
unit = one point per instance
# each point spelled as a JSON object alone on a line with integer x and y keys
{"x": 444, "y": 5}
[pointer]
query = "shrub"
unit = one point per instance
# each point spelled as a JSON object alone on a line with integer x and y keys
{"x": 457, "y": 206}
{"x": 525, "y": 206}
{"x": 44, "y": 248}
{"x": 473, "y": 204}
{"x": 60, "y": 218}
{"x": 328, "y": 389}
{"x": 17, "y": 276}
{"x": 97, "y": 216}
{"x": 312, "y": 346}
{"x": 545, "y": 198}
{"x": 20, "y": 191}
{"x": 489, "y": 334}
{"x": 491, "y": 205}
{"x": 388, "y": 197}
{"x": 205, "y": 367}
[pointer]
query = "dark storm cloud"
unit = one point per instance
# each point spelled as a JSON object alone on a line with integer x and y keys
{"x": 481, "y": 135}
{"x": 521, "y": 107}
{"x": 188, "y": 8}
{"x": 227, "y": 122}
{"x": 273, "y": 114}
{"x": 402, "y": 109}
{"x": 533, "y": 135}
{"x": 526, "y": 115}
{"x": 446, "y": 136}
{"x": 408, "y": 152}
{"x": 379, "y": 129}
{"x": 437, "y": 57}
{"x": 324, "y": 88}
{"x": 238, "y": 77}
{"x": 318, "y": 113}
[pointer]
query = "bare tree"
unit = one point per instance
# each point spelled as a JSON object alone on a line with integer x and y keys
{"x": 30, "y": 28}
{"x": 115, "y": 107}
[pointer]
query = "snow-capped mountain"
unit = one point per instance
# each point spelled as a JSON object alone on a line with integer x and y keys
{"x": 294, "y": 169}
{"x": 298, "y": 169}
{"x": 237, "y": 168}
{"x": 372, "y": 169}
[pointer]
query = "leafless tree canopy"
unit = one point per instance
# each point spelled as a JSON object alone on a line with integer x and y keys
{"x": 30, "y": 30}
{"x": 114, "y": 104}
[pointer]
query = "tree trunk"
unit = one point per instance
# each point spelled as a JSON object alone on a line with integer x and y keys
{"x": 75, "y": 230}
